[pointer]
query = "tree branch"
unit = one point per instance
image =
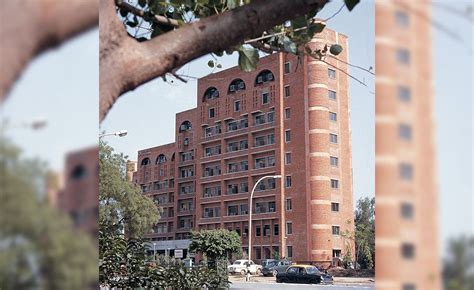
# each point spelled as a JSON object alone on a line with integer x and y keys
{"x": 139, "y": 12}
{"x": 126, "y": 64}
{"x": 28, "y": 28}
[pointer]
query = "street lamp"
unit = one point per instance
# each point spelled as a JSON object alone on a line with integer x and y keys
{"x": 250, "y": 210}
{"x": 121, "y": 133}
{"x": 154, "y": 252}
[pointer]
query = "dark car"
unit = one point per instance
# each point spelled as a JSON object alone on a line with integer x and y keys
{"x": 273, "y": 267}
{"x": 300, "y": 274}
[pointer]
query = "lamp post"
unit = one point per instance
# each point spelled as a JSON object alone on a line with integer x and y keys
{"x": 154, "y": 252}
{"x": 250, "y": 210}
{"x": 121, "y": 133}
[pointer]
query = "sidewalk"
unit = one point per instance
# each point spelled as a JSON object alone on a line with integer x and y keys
{"x": 353, "y": 281}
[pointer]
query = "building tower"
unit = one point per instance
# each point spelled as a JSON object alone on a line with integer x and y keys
{"x": 407, "y": 251}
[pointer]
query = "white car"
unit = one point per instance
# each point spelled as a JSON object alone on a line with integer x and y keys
{"x": 240, "y": 266}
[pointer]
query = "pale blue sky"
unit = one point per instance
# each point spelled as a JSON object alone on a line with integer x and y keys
{"x": 62, "y": 85}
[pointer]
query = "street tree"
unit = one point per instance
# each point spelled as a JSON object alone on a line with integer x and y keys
{"x": 458, "y": 266}
{"x": 122, "y": 205}
{"x": 39, "y": 249}
{"x": 365, "y": 232}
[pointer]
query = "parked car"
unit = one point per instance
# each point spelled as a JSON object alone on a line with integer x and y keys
{"x": 240, "y": 266}
{"x": 300, "y": 274}
{"x": 273, "y": 267}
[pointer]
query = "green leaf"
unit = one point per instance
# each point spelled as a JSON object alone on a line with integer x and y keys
{"x": 231, "y": 4}
{"x": 335, "y": 49}
{"x": 248, "y": 59}
{"x": 210, "y": 63}
{"x": 142, "y": 3}
{"x": 351, "y": 4}
{"x": 123, "y": 12}
{"x": 289, "y": 45}
{"x": 316, "y": 27}
{"x": 219, "y": 65}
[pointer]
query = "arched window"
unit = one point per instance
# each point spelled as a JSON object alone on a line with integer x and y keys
{"x": 160, "y": 159}
{"x": 210, "y": 94}
{"x": 78, "y": 172}
{"x": 172, "y": 157}
{"x": 145, "y": 161}
{"x": 185, "y": 126}
{"x": 264, "y": 76}
{"x": 236, "y": 85}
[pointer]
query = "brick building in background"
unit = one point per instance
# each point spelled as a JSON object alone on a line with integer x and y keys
{"x": 286, "y": 118}
{"x": 79, "y": 196}
{"x": 407, "y": 249}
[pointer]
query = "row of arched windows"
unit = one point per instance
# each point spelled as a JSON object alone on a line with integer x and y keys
{"x": 238, "y": 84}
{"x": 159, "y": 160}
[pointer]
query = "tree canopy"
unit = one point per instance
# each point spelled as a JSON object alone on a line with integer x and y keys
{"x": 39, "y": 249}
{"x": 365, "y": 232}
{"x": 215, "y": 244}
{"x": 122, "y": 206}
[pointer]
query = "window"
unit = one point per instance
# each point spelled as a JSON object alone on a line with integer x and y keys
{"x": 276, "y": 230}
{"x": 288, "y": 158}
{"x": 332, "y": 95}
{"x": 334, "y": 183}
{"x": 288, "y": 204}
{"x": 236, "y": 85}
{"x": 402, "y": 19}
{"x": 336, "y": 230}
{"x": 408, "y": 250}
{"x": 258, "y": 232}
{"x": 288, "y": 181}
{"x": 287, "y": 91}
{"x": 336, "y": 253}
{"x": 334, "y": 206}
{"x": 236, "y": 106}
{"x": 212, "y": 112}
{"x": 211, "y": 93}
{"x": 409, "y": 286}
{"x": 331, "y": 73}
{"x": 334, "y": 161}
{"x": 287, "y": 135}
{"x": 270, "y": 117}
{"x": 332, "y": 116}
{"x": 146, "y": 161}
{"x": 406, "y": 210}
{"x": 287, "y": 113}
{"x": 404, "y": 94}
{"x": 403, "y": 56}
{"x": 266, "y": 230}
{"x": 287, "y": 67}
{"x": 264, "y": 76}
{"x": 265, "y": 98}
{"x": 185, "y": 126}
{"x": 404, "y": 131}
{"x": 289, "y": 251}
{"x": 289, "y": 228}
{"x": 406, "y": 171}
{"x": 333, "y": 138}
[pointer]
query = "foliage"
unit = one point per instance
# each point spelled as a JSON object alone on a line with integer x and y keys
{"x": 458, "y": 266}
{"x": 39, "y": 248}
{"x": 290, "y": 37}
{"x": 216, "y": 244}
{"x": 122, "y": 206}
{"x": 123, "y": 264}
{"x": 365, "y": 232}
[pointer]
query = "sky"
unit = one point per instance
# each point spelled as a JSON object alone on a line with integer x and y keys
{"x": 62, "y": 86}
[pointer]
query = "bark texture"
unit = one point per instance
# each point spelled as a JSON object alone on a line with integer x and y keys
{"x": 126, "y": 64}
{"x": 29, "y": 27}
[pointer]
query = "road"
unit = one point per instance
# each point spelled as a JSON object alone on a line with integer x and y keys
{"x": 275, "y": 286}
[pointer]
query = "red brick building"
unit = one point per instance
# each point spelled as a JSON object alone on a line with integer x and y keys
{"x": 287, "y": 118}
{"x": 80, "y": 196}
